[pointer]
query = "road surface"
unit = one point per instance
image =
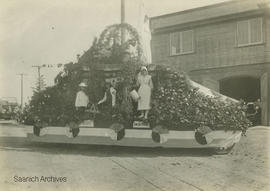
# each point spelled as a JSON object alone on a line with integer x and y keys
{"x": 103, "y": 168}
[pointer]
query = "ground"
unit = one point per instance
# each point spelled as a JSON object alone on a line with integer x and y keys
{"x": 124, "y": 169}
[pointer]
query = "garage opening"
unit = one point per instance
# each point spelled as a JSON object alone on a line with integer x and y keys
{"x": 245, "y": 88}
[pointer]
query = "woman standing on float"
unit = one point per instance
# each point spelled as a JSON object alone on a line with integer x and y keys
{"x": 145, "y": 82}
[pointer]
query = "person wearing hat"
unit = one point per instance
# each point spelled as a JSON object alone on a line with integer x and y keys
{"x": 82, "y": 99}
{"x": 144, "y": 81}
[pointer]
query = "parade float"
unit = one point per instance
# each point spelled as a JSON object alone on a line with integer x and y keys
{"x": 183, "y": 113}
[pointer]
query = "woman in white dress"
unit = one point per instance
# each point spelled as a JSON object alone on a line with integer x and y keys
{"x": 145, "y": 82}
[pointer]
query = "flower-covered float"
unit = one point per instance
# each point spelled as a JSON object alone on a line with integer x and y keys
{"x": 181, "y": 113}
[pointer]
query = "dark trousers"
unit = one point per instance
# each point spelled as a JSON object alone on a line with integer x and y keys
{"x": 81, "y": 113}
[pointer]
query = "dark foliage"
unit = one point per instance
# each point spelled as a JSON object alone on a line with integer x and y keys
{"x": 178, "y": 105}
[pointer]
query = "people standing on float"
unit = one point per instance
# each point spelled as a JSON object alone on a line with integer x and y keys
{"x": 82, "y": 99}
{"x": 144, "y": 81}
{"x": 109, "y": 97}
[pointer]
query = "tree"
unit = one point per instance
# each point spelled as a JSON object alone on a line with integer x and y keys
{"x": 40, "y": 84}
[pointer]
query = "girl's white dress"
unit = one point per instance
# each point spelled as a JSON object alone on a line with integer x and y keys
{"x": 144, "y": 92}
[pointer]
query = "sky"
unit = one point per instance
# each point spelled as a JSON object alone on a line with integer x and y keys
{"x": 37, "y": 32}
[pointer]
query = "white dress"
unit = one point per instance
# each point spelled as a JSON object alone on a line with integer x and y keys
{"x": 144, "y": 92}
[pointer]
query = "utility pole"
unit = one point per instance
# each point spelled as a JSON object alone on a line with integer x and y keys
{"x": 22, "y": 75}
{"x": 123, "y": 33}
{"x": 40, "y": 79}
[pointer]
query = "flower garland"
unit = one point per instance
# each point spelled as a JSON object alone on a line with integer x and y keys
{"x": 110, "y": 40}
{"x": 176, "y": 104}
{"x": 179, "y": 106}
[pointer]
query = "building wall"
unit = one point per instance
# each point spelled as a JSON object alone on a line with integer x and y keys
{"x": 217, "y": 57}
{"x": 215, "y": 46}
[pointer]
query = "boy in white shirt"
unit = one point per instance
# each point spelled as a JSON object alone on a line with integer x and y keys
{"x": 82, "y": 99}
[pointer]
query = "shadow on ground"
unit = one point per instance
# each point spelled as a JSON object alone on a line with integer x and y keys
{"x": 100, "y": 150}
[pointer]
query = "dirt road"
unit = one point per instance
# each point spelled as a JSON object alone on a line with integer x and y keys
{"x": 125, "y": 169}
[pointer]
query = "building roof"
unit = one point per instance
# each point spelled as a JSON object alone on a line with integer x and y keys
{"x": 8, "y": 100}
{"x": 224, "y": 9}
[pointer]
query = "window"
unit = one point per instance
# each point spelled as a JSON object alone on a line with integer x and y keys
{"x": 249, "y": 32}
{"x": 181, "y": 42}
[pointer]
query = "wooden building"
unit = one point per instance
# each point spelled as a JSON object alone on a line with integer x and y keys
{"x": 225, "y": 47}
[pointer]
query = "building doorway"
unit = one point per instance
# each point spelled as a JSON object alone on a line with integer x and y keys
{"x": 245, "y": 88}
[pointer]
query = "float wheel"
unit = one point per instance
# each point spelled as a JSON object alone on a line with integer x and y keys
{"x": 200, "y": 138}
{"x": 156, "y": 137}
{"x": 119, "y": 129}
{"x": 74, "y": 128}
{"x": 36, "y": 130}
{"x": 157, "y": 131}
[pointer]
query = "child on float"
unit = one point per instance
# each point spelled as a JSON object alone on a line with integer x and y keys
{"x": 82, "y": 100}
